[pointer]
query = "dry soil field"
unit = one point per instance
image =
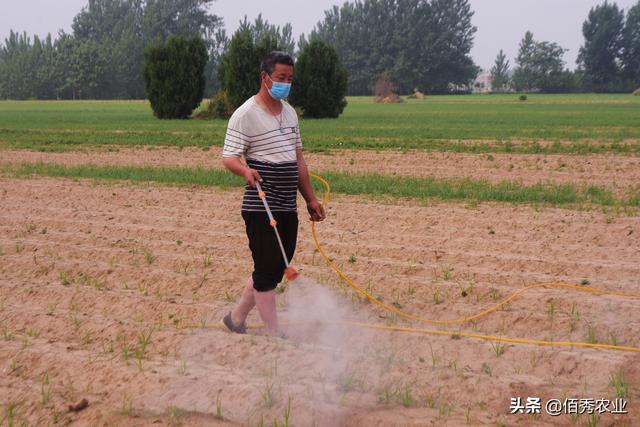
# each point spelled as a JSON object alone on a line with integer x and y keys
{"x": 112, "y": 292}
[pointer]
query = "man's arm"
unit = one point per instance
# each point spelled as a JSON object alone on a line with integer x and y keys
{"x": 304, "y": 185}
{"x": 238, "y": 168}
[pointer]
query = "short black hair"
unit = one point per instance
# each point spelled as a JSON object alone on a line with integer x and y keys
{"x": 275, "y": 57}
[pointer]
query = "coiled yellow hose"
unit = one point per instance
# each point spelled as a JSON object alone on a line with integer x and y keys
{"x": 409, "y": 316}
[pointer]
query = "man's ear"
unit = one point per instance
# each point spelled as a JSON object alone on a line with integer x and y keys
{"x": 263, "y": 77}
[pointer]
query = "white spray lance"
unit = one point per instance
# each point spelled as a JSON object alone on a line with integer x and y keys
{"x": 289, "y": 271}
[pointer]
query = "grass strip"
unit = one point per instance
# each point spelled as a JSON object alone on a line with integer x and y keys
{"x": 63, "y": 141}
{"x": 422, "y": 188}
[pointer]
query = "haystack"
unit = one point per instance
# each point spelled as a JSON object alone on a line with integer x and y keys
{"x": 392, "y": 98}
{"x": 417, "y": 94}
{"x": 636, "y": 92}
{"x": 384, "y": 91}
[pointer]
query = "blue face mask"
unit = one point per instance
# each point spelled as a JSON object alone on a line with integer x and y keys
{"x": 279, "y": 90}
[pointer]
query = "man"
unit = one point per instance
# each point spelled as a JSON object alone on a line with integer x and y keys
{"x": 265, "y": 131}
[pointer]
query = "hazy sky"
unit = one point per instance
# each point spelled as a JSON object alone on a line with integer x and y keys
{"x": 501, "y": 23}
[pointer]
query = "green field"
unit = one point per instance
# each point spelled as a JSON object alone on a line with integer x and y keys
{"x": 585, "y": 123}
{"x": 369, "y": 184}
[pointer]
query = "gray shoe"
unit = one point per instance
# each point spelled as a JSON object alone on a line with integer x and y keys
{"x": 239, "y": 329}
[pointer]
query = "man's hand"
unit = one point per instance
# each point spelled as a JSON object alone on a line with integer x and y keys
{"x": 316, "y": 210}
{"x": 251, "y": 175}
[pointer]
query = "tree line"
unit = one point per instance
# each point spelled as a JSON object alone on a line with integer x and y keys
{"x": 416, "y": 44}
{"x": 608, "y": 61}
{"x": 103, "y": 56}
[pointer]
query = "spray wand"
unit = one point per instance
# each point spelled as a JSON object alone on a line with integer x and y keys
{"x": 289, "y": 271}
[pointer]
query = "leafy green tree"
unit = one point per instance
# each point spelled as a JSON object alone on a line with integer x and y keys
{"x": 602, "y": 50}
{"x": 173, "y": 75}
{"x": 417, "y": 43}
{"x": 261, "y": 29}
{"x": 524, "y": 74}
{"x": 319, "y": 81}
{"x": 26, "y": 67}
{"x": 103, "y": 58}
{"x": 540, "y": 67}
{"x": 631, "y": 45}
{"x": 500, "y": 79}
{"x": 64, "y": 67}
{"x": 239, "y": 68}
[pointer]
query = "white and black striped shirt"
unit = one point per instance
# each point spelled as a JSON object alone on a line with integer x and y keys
{"x": 269, "y": 146}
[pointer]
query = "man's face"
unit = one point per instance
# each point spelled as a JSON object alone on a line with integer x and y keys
{"x": 281, "y": 73}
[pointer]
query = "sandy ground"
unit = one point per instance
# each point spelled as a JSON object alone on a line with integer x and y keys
{"x": 89, "y": 270}
{"x": 616, "y": 172}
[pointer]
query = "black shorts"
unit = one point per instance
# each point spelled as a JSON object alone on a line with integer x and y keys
{"x": 268, "y": 265}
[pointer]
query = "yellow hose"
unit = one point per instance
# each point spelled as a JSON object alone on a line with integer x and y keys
{"x": 409, "y": 316}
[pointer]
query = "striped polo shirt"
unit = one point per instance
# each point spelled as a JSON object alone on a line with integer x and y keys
{"x": 269, "y": 145}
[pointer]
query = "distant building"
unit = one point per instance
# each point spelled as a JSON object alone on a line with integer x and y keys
{"x": 482, "y": 83}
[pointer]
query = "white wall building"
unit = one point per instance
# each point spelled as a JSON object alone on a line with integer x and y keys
{"x": 482, "y": 83}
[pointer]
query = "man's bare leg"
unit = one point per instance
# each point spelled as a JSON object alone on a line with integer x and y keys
{"x": 266, "y": 303}
{"x": 246, "y": 303}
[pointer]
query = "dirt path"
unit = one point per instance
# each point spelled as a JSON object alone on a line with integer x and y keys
{"x": 616, "y": 172}
{"x": 87, "y": 270}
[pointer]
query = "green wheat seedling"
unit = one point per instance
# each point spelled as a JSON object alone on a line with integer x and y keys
{"x": 51, "y": 308}
{"x": 182, "y": 267}
{"x": 126, "y": 353}
{"x": 574, "y": 317}
{"x": 405, "y": 397}
{"x": 434, "y": 359}
{"x": 19, "y": 247}
{"x": 45, "y": 389}
{"x": 396, "y": 300}
{"x": 287, "y": 414}
{"x": 467, "y": 415}
{"x": 25, "y": 342}
{"x": 592, "y": 333}
{"x": 348, "y": 382}
{"x": 499, "y": 348}
{"x": 593, "y": 421}
{"x": 387, "y": 394}
{"x": 437, "y": 298}
{"x": 445, "y": 409}
{"x": 268, "y": 398}
{"x": 206, "y": 261}
{"x": 574, "y": 418}
{"x": 11, "y": 414}
{"x": 175, "y": 415}
{"x": 127, "y": 406}
{"x": 219, "y": 408}
{"x": 618, "y": 381}
{"x": 32, "y": 333}
{"x": 486, "y": 369}
{"x": 551, "y": 308}
{"x": 534, "y": 360}
{"x": 149, "y": 257}
{"x": 7, "y": 335}
{"x": 429, "y": 402}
